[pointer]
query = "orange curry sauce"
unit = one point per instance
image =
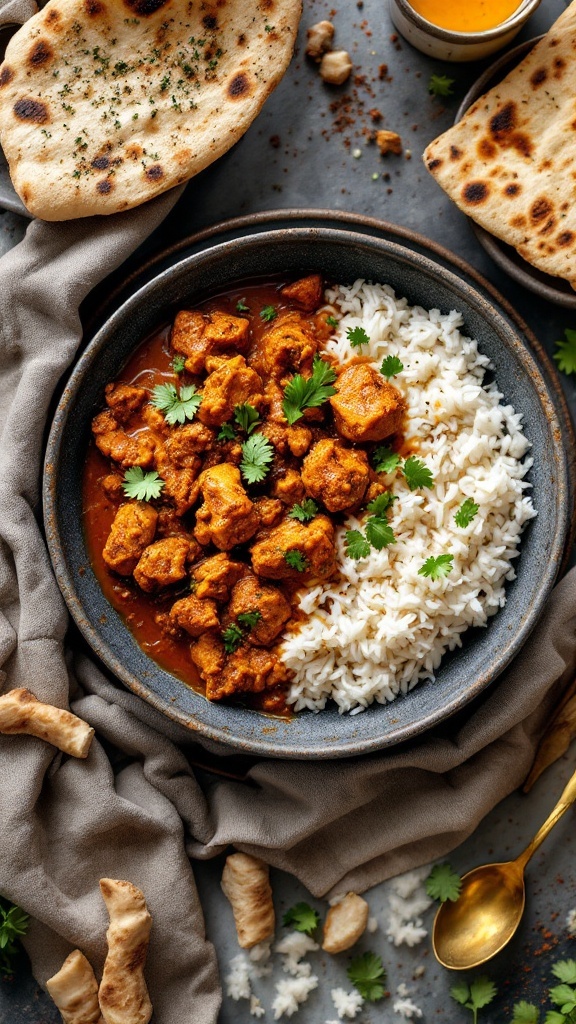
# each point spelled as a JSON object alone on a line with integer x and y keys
{"x": 151, "y": 364}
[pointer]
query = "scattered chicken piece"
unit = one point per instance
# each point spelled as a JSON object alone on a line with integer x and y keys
{"x": 124, "y": 400}
{"x": 74, "y": 990}
{"x": 335, "y": 67}
{"x": 366, "y": 407}
{"x": 251, "y": 595}
{"x": 345, "y": 923}
{"x": 388, "y": 142}
{"x": 194, "y": 615}
{"x": 162, "y": 564}
{"x": 232, "y": 383}
{"x": 22, "y": 713}
{"x": 319, "y": 39}
{"x": 123, "y": 994}
{"x": 227, "y": 516}
{"x": 197, "y": 335}
{"x": 335, "y": 475}
{"x": 313, "y": 542}
{"x": 306, "y": 292}
{"x": 246, "y": 884}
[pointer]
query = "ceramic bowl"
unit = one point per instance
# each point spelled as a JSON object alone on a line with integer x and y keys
{"x": 457, "y": 46}
{"x": 340, "y": 255}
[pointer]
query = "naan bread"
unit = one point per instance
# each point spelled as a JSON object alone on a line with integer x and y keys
{"x": 106, "y": 103}
{"x": 510, "y": 163}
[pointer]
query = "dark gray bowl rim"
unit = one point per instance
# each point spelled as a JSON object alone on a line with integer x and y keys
{"x": 63, "y": 574}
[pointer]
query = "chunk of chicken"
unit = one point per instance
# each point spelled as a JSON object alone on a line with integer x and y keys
{"x": 194, "y": 615}
{"x": 288, "y": 487}
{"x": 116, "y": 444}
{"x": 335, "y": 67}
{"x": 269, "y": 511}
{"x": 181, "y": 486}
{"x": 319, "y": 39}
{"x": 216, "y": 576}
{"x": 295, "y": 440}
{"x": 209, "y": 657}
{"x": 366, "y": 407}
{"x": 227, "y": 516}
{"x": 196, "y": 335}
{"x": 345, "y": 923}
{"x": 184, "y": 444}
{"x": 314, "y": 541}
{"x": 132, "y": 531}
{"x": 248, "y": 670}
{"x": 162, "y": 564}
{"x": 289, "y": 346}
{"x": 232, "y": 384}
{"x": 307, "y": 292}
{"x": 170, "y": 525}
{"x": 336, "y": 476}
{"x": 112, "y": 487}
{"x": 388, "y": 142}
{"x": 251, "y": 595}
{"x": 124, "y": 400}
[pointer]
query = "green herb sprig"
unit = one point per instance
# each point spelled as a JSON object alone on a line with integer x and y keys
{"x": 416, "y": 473}
{"x": 307, "y": 393}
{"x": 302, "y": 917}
{"x": 440, "y": 85}
{"x": 296, "y": 560}
{"x": 437, "y": 567}
{"x": 391, "y": 366}
{"x": 140, "y": 485}
{"x": 443, "y": 883}
{"x": 304, "y": 512}
{"x": 357, "y": 337}
{"x": 475, "y": 996}
{"x": 367, "y": 974}
{"x": 257, "y": 454}
{"x": 235, "y": 633}
{"x": 177, "y": 406}
{"x": 268, "y": 313}
{"x": 565, "y": 354}
{"x": 466, "y": 513}
{"x": 13, "y": 925}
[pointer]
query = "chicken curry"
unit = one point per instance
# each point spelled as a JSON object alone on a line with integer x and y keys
{"x": 225, "y": 457}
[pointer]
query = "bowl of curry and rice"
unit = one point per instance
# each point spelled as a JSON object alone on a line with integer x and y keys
{"x": 296, "y": 492}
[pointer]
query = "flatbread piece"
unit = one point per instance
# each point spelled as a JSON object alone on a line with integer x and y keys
{"x": 106, "y": 103}
{"x": 510, "y": 163}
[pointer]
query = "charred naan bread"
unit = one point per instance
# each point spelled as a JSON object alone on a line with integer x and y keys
{"x": 510, "y": 163}
{"x": 106, "y": 103}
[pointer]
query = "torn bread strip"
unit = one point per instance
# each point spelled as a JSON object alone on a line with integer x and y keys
{"x": 74, "y": 989}
{"x": 246, "y": 884}
{"x": 123, "y": 994}
{"x": 22, "y": 713}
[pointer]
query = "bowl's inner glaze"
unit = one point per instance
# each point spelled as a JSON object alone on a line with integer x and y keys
{"x": 341, "y": 256}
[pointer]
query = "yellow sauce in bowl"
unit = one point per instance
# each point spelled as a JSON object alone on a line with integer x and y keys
{"x": 465, "y": 15}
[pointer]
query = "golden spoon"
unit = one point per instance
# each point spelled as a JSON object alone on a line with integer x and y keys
{"x": 485, "y": 916}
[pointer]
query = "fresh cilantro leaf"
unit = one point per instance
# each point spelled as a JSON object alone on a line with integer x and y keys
{"x": 304, "y": 512}
{"x": 379, "y": 532}
{"x": 382, "y": 503}
{"x": 525, "y": 1013}
{"x": 249, "y": 619}
{"x": 564, "y": 997}
{"x": 356, "y": 544}
{"x": 441, "y": 85}
{"x": 142, "y": 486}
{"x": 241, "y": 307}
{"x": 13, "y": 923}
{"x": 367, "y": 974}
{"x": 226, "y": 432}
{"x": 296, "y": 560}
{"x": 332, "y": 321}
{"x": 443, "y": 883}
{"x": 466, "y": 513}
{"x": 177, "y": 407}
{"x": 565, "y": 970}
{"x": 460, "y": 993}
{"x": 437, "y": 567}
{"x": 417, "y": 474}
{"x": 268, "y": 313}
{"x": 385, "y": 460}
{"x": 302, "y": 918}
{"x": 232, "y": 637}
{"x": 357, "y": 337}
{"x": 302, "y": 393}
{"x": 474, "y": 996}
{"x": 179, "y": 364}
{"x": 565, "y": 354}
{"x": 257, "y": 453}
{"x": 247, "y": 417}
{"x": 553, "y": 1017}
{"x": 391, "y": 366}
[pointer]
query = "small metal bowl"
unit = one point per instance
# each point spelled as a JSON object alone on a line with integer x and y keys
{"x": 444, "y": 44}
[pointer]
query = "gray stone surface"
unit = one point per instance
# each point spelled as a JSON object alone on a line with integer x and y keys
{"x": 299, "y": 153}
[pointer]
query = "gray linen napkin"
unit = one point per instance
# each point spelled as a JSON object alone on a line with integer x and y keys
{"x": 66, "y": 823}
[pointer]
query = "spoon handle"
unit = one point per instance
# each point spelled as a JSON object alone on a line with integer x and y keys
{"x": 566, "y": 800}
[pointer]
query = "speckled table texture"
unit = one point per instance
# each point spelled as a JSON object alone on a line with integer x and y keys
{"x": 303, "y": 152}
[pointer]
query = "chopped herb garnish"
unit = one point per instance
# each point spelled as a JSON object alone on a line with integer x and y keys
{"x": 441, "y": 85}
{"x": 391, "y": 366}
{"x": 356, "y": 544}
{"x": 226, "y": 433}
{"x": 563, "y": 996}
{"x": 307, "y": 393}
{"x": 437, "y": 567}
{"x": 304, "y": 512}
{"x": 367, "y": 974}
{"x": 332, "y": 321}
{"x": 257, "y": 453}
{"x": 479, "y": 993}
{"x": 13, "y": 923}
{"x": 179, "y": 364}
{"x": 176, "y": 406}
{"x": 248, "y": 619}
{"x": 302, "y": 917}
{"x": 241, "y": 307}
{"x": 443, "y": 883}
{"x": 379, "y": 532}
{"x": 247, "y": 417}
{"x": 385, "y": 460}
{"x": 232, "y": 637}
{"x": 268, "y": 313}
{"x": 357, "y": 337}
{"x": 296, "y": 560}
{"x": 381, "y": 504}
{"x": 525, "y": 1013}
{"x": 466, "y": 513}
{"x": 565, "y": 354}
{"x": 417, "y": 474}
{"x": 140, "y": 485}
{"x": 565, "y": 970}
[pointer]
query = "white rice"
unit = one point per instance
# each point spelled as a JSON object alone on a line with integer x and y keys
{"x": 382, "y": 627}
{"x": 290, "y": 993}
{"x": 571, "y": 922}
{"x": 346, "y": 1004}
